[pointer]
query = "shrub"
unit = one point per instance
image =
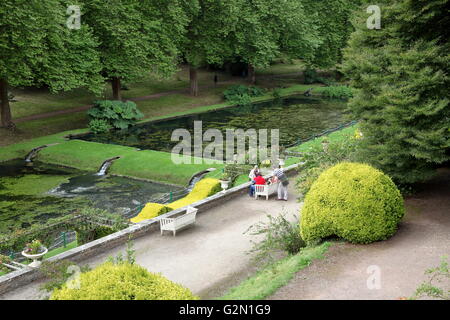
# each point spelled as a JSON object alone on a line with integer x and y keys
{"x": 241, "y": 94}
{"x": 338, "y": 92}
{"x": 123, "y": 281}
{"x": 353, "y": 201}
{"x": 4, "y": 259}
{"x": 318, "y": 158}
{"x": 150, "y": 211}
{"x": 99, "y": 126}
{"x": 203, "y": 189}
{"x": 108, "y": 114}
{"x": 279, "y": 234}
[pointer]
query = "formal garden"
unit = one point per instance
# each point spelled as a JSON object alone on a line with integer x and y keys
{"x": 91, "y": 103}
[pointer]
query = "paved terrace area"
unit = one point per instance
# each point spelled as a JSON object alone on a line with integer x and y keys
{"x": 208, "y": 258}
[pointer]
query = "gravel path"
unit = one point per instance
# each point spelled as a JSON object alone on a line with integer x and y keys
{"x": 423, "y": 237}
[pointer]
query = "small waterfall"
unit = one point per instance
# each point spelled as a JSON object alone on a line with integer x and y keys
{"x": 105, "y": 166}
{"x": 197, "y": 177}
{"x": 32, "y": 154}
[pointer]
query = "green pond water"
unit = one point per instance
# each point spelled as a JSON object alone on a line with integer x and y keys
{"x": 35, "y": 193}
{"x": 296, "y": 117}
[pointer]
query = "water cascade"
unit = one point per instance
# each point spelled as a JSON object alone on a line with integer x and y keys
{"x": 105, "y": 166}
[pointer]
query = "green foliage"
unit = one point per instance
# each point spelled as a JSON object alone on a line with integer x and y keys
{"x": 432, "y": 288}
{"x": 279, "y": 27}
{"x": 322, "y": 156}
{"x": 136, "y": 36}
{"x": 99, "y": 125}
{"x": 401, "y": 73}
{"x": 352, "y": 201}
{"x": 311, "y": 76}
{"x": 274, "y": 276}
{"x": 113, "y": 114}
{"x": 241, "y": 94}
{"x": 122, "y": 281}
{"x": 333, "y": 27}
{"x": 57, "y": 273}
{"x": 4, "y": 259}
{"x": 279, "y": 234}
{"x": 34, "y": 247}
{"x": 233, "y": 171}
{"x": 339, "y": 92}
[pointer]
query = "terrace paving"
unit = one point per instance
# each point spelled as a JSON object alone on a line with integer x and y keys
{"x": 208, "y": 258}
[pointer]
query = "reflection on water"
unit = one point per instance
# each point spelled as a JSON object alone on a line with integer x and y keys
{"x": 296, "y": 118}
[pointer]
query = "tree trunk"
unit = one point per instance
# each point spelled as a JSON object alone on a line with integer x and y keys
{"x": 115, "y": 82}
{"x": 4, "y": 107}
{"x": 194, "y": 81}
{"x": 251, "y": 74}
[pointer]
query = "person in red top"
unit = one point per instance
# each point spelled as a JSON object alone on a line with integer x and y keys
{"x": 259, "y": 179}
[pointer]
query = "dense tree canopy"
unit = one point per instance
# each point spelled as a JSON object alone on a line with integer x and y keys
{"x": 267, "y": 28}
{"x": 37, "y": 48}
{"x": 332, "y": 19}
{"x": 135, "y": 36}
{"x": 401, "y": 73}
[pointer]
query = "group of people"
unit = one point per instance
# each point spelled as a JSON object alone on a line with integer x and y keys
{"x": 278, "y": 175}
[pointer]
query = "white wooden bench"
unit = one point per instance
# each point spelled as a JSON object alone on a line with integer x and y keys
{"x": 176, "y": 223}
{"x": 265, "y": 190}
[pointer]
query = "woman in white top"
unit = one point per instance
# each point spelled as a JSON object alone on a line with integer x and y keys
{"x": 253, "y": 173}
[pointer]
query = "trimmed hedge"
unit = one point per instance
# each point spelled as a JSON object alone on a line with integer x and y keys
{"x": 353, "y": 201}
{"x": 203, "y": 189}
{"x": 123, "y": 281}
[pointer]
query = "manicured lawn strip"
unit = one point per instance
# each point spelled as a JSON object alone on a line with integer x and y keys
{"x": 146, "y": 164}
{"x": 266, "y": 281}
{"x": 20, "y": 150}
{"x": 59, "y": 250}
{"x": 334, "y": 136}
{"x": 295, "y": 89}
{"x": 53, "y": 252}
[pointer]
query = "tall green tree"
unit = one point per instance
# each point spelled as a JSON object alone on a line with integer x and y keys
{"x": 37, "y": 48}
{"x": 267, "y": 28}
{"x": 332, "y": 19}
{"x": 401, "y": 76}
{"x": 136, "y": 37}
{"x": 207, "y": 40}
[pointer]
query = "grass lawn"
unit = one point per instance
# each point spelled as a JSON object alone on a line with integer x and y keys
{"x": 266, "y": 281}
{"x": 53, "y": 252}
{"x": 146, "y": 164}
{"x": 175, "y": 104}
{"x": 57, "y": 251}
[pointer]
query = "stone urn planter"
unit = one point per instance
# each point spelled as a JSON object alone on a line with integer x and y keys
{"x": 224, "y": 184}
{"x": 35, "y": 256}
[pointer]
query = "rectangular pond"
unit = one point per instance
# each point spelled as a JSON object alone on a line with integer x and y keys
{"x": 296, "y": 117}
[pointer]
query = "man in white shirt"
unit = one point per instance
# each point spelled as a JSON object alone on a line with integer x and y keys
{"x": 283, "y": 183}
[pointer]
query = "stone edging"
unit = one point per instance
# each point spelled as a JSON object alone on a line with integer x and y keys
{"x": 23, "y": 277}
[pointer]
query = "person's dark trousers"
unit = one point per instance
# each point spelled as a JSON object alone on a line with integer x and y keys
{"x": 251, "y": 190}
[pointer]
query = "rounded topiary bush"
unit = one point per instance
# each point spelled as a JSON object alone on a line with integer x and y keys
{"x": 353, "y": 201}
{"x": 122, "y": 281}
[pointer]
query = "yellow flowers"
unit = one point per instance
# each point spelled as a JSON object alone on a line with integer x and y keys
{"x": 150, "y": 211}
{"x": 358, "y": 134}
{"x": 203, "y": 189}
{"x": 123, "y": 281}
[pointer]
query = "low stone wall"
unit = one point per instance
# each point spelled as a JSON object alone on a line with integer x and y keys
{"x": 23, "y": 277}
